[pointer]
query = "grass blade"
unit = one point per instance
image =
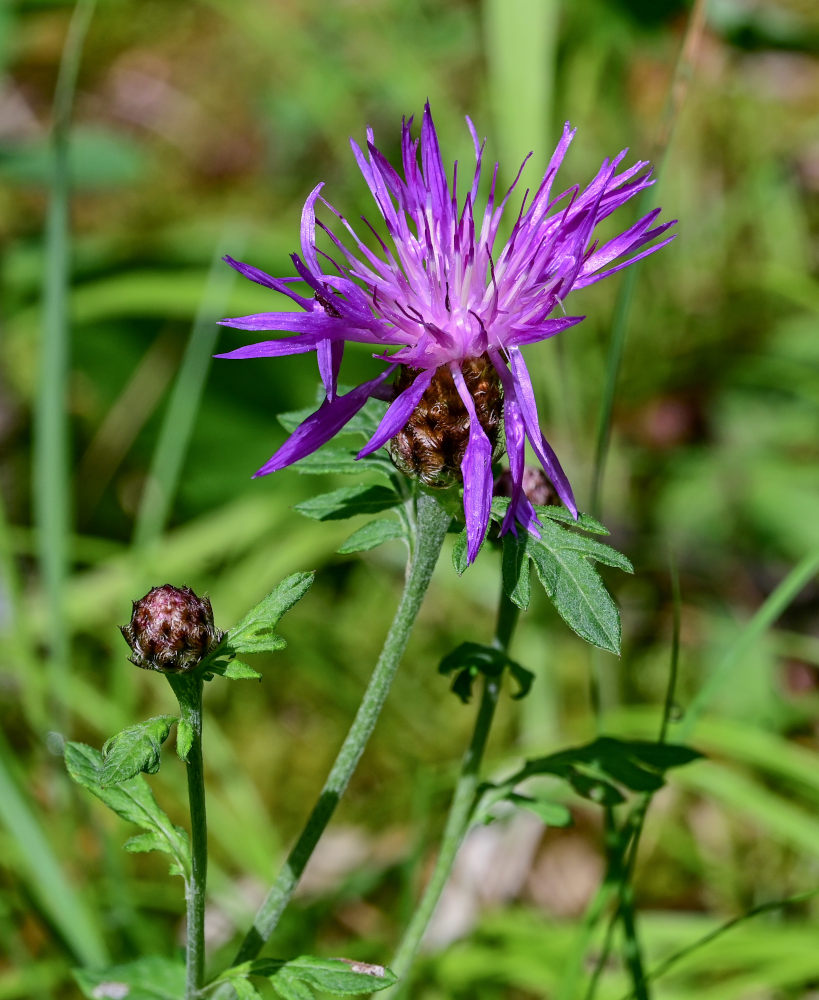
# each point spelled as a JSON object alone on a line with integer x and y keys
{"x": 57, "y": 897}
{"x": 676, "y": 98}
{"x": 766, "y": 615}
{"x": 51, "y": 462}
{"x": 177, "y": 425}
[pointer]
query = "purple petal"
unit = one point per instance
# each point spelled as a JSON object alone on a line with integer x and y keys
{"x": 308, "y": 229}
{"x": 434, "y": 173}
{"x": 300, "y": 344}
{"x": 316, "y": 324}
{"x": 398, "y": 413}
{"x": 261, "y": 278}
{"x": 312, "y": 322}
{"x": 591, "y": 278}
{"x": 519, "y": 385}
{"x": 476, "y": 469}
{"x": 520, "y": 506}
{"x": 329, "y": 363}
{"x": 318, "y": 428}
{"x": 540, "y": 332}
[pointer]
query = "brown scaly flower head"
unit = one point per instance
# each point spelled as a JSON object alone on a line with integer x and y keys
{"x": 432, "y": 444}
{"x": 171, "y": 630}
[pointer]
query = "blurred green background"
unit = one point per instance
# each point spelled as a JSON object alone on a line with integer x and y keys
{"x": 198, "y": 129}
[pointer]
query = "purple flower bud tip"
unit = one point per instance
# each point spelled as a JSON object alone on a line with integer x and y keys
{"x": 535, "y": 485}
{"x": 171, "y": 630}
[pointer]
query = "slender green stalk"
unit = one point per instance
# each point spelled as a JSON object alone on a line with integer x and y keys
{"x": 772, "y": 907}
{"x": 38, "y": 868}
{"x": 677, "y": 93}
{"x": 432, "y": 524}
{"x": 51, "y": 448}
{"x": 461, "y": 809}
{"x": 625, "y": 842}
{"x": 180, "y": 415}
{"x": 188, "y": 690}
{"x": 766, "y": 615}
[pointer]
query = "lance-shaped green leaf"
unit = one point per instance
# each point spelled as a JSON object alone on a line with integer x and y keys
{"x": 549, "y": 812}
{"x": 243, "y": 989}
{"x": 382, "y": 529}
{"x": 557, "y": 513}
{"x": 561, "y": 556}
{"x": 515, "y": 569}
{"x": 331, "y": 461}
{"x": 584, "y": 521}
{"x": 603, "y": 769}
{"x": 349, "y": 502}
{"x": 342, "y": 461}
{"x": 459, "y": 553}
{"x": 577, "y": 592}
{"x": 255, "y": 632}
{"x": 135, "y": 749}
{"x": 132, "y": 800}
{"x": 298, "y": 978}
{"x": 554, "y": 536}
{"x": 148, "y": 978}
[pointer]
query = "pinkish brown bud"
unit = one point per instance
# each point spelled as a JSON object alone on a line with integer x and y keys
{"x": 171, "y": 630}
{"x": 535, "y": 484}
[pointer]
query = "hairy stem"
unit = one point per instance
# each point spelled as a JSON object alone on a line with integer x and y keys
{"x": 432, "y": 524}
{"x": 461, "y": 809}
{"x": 188, "y": 690}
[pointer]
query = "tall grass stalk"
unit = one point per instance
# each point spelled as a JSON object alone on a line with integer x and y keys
{"x": 625, "y": 841}
{"x": 180, "y": 415}
{"x": 51, "y": 481}
{"x": 779, "y": 599}
{"x": 41, "y": 871}
{"x": 520, "y": 41}
{"x": 675, "y": 102}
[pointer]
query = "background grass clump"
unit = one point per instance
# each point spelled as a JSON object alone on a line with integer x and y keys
{"x": 198, "y": 129}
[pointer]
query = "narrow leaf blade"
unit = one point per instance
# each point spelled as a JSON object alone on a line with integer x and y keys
{"x": 348, "y": 502}
{"x": 375, "y": 533}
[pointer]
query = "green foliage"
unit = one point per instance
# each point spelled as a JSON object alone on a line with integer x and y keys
{"x": 471, "y": 659}
{"x": 562, "y": 560}
{"x": 372, "y": 534}
{"x": 255, "y": 632}
{"x": 133, "y": 801}
{"x": 298, "y": 978}
{"x": 349, "y": 502}
{"x": 713, "y": 441}
{"x": 135, "y": 749}
{"x": 602, "y": 770}
{"x": 550, "y": 812}
{"x": 184, "y": 737}
{"x": 148, "y": 978}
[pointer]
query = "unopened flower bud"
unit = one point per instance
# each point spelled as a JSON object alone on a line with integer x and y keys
{"x": 171, "y": 630}
{"x": 535, "y": 484}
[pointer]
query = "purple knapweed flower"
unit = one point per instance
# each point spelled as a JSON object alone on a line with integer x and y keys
{"x": 442, "y": 303}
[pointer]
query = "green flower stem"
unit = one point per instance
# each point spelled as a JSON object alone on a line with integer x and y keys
{"x": 461, "y": 809}
{"x": 432, "y": 524}
{"x": 188, "y": 690}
